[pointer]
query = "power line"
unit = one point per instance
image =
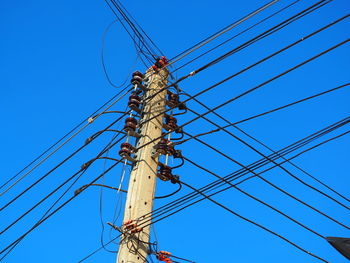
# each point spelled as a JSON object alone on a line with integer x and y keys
{"x": 256, "y": 165}
{"x": 57, "y": 166}
{"x": 261, "y": 36}
{"x": 53, "y": 212}
{"x": 236, "y": 35}
{"x": 259, "y": 152}
{"x": 260, "y": 61}
{"x": 60, "y": 140}
{"x": 219, "y": 33}
{"x": 244, "y": 93}
{"x": 77, "y": 174}
{"x": 145, "y": 220}
{"x": 265, "y": 113}
{"x": 272, "y": 184}
{"x": 253, "y": 197}
{"x": 147, "y": 36}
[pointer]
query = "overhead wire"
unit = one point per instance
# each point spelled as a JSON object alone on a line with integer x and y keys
{"x": 57, "y": 166}
{"x": 109, "y": 80}
{"x": 60, "y": 140}
{"x": 127, "y": 30}
{"x": 171, "y": 204}
{"x": 268, "y": 32}
{"x": 255, "y": 198}
{"x": 137, "y": 24}
{"x": 236, "y": 35}
{"x": 76, "y": 175}
{"x": 260, "y": 61}
{"x": 274, "y": 185}
{"x": 255, "y": 223}
{"x": 265, "y": 113}
{"x": 256, "y": 165}
{"x": 244, "y": 93}
{"x": 219, "y": 33}
{"x": 8, "y": 247}
{"x": 281, "y": 25}
{"x": 259, "y": 152}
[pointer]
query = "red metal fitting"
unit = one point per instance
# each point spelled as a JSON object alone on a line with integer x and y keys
{"x": 128, "y": 222}
{"x": 163, "y": 257}
{"x": 136, "y": 230}
{"x": 130, "y": 226}
{"x": 160, "y": 63}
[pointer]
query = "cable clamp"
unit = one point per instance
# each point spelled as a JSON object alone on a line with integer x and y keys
{"x": 132, "y": 227}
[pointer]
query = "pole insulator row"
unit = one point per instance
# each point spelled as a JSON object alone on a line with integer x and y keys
{"x": 131, "y": 124}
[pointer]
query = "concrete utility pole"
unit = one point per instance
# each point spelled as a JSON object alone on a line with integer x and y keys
{"x": 133, "y": 247}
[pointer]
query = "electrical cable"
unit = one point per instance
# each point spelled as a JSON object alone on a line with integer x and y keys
{"x": 80, "y": 171}
{"x": 244, "y": 93}
{"x": 53, "y": 169}
{"x": 109, "y": 80}
{"x": 221, "y": 32}
{"x": 274, "y": 185}
{"x": 126, "y": 29}
{"x": 60, "y": 140}
{"x": 260, "y": 153}
{"x": 266, "y": 112}
{"x": 171, "y": 194}
{"x": 236, "y": 35}
{"x": 254, "y": 197}
{"x": 261, "y": 36}
{"x": 152, "y": 42}
{"x": 153, "y": 222}
{"x": 52, "y": 213}
{"x": 134, "y": 29}
{"x": 255, "y": 165}
{"x": 256, "y": 63}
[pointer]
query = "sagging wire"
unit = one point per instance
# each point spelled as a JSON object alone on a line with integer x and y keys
{"x": 85, "y": 166}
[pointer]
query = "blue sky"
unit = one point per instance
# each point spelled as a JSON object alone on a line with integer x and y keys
{"x": 52, "y": 78}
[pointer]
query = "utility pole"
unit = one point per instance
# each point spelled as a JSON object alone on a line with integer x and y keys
{"x": 133, "y": 247}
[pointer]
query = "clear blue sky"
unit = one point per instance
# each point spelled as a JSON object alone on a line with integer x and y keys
{"x": 51, "y": 78}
